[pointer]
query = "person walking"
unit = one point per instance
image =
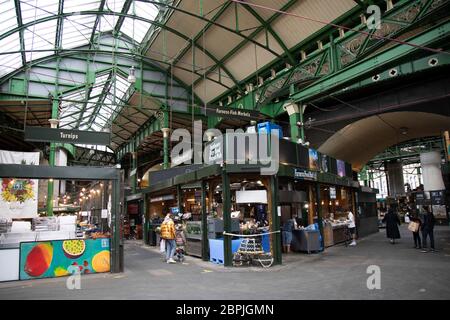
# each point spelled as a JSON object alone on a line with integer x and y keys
{"x": 392, "y": 222}
{"x": 352, "y": 227}
{"x": 428, "y": 229}
{"x": 168, "y": 234}
{"x": 416, "y": 234}
{"x": 288, "y": 227}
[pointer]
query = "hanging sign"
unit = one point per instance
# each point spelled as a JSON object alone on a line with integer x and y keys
{"x": 232, "y": 113}
{"x": 104, "y": 213}
{"x": 437, "y": 197}
{"x": 305, "y": 175}
{"x": 42, "y": 134}
{"x": 19, "y": 197}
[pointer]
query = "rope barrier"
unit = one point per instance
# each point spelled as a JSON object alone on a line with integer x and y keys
{"x": 249, "y": 235}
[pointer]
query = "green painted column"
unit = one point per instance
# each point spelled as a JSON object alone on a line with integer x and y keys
{"x": 51, "y": 158}
{"x": 205, "y": 242}
{"x": 295, "y": 130}
{"x": 146, "y": 219}
{"x": 226, "y": 200}
{"x": 319, "y": 213}
{"x": 295, "y": 112}
{"x": 179, "y": 198}
{"x": 134, "y": 167}
{"x": 275, "y": 225}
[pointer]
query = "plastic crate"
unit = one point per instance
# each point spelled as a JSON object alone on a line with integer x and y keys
{"x": 216, "y": 252}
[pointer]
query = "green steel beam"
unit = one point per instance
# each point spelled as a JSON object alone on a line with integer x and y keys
{"x": 121, "y": 19}
{"x": 59, "y": 26}
{"x": 367, "y": 66}
{"x": 252, "y": 35}
{"x": 267, "y": 26}
{"x": 198, "y": 36}
{"x": 20, "y": 25}
{"x": 97, "y": 20}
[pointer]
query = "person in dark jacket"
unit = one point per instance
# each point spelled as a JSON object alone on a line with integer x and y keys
{"x": 427, "y": 229}
{"x": 416, "y": 235}
{"x": 392, "y": 222}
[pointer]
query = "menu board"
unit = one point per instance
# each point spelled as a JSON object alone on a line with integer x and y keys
{"x": 437, "y": 197}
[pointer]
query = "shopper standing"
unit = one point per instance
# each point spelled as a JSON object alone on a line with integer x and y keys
{"x": 288, "y": 227}
{"x": 168, "y": 234}
{"x": 428, "y": 229}
{"x": 416, "y": 234}
{"x": 352, "y": 227}
{"x": 392, "y": 222}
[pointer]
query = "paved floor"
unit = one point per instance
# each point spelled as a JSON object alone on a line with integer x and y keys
{"x": 338, "y": 273}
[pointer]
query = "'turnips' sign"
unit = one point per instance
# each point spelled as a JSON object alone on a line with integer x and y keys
{"x": 41, "y": 134}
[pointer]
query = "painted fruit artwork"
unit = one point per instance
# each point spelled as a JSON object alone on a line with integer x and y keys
{"x": 74, "y": 248}
{"x": 100, "y": 262}
{"x": 61, "y": 272}
{"x": 39, "y": 259}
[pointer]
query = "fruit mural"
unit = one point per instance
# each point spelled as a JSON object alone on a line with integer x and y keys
{"x": 62, "y": 257}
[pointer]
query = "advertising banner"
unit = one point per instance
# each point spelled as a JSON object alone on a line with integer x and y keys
{"x": 313, "y": 159}
{"x": 19, "y": 197}
{"x": 340, "y": 168}
{"x": 60, "y": 258}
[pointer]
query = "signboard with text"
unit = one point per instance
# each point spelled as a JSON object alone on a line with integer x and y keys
{"x": 42, "y": 134}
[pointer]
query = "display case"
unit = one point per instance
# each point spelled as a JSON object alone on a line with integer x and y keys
{"x": 194, "y": 230}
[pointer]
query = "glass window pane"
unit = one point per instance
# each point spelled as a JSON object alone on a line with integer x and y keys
{"x": 37, "y": 9}
{"x": 7, "y": 16}
{"x": 40, "y": 37}
{"x": 77, "y": 30}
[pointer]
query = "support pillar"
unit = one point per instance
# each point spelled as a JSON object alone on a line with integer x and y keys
{"x": 51, "y": 159}
{"x": 395, "y": 179}
{"x": 226, "y": 199}
{"x": 295, "y": 113}
{"x": 319, "y": 213}
{"x": 166, "y": 147}
{"x": 134, "y": 168}
{"x": 205, "y": 242}
{"x": 179, "y": 198}
{"x": 275, "y": 221}
{"x": 146, "y": 218}
{"x": 431, "y": 171}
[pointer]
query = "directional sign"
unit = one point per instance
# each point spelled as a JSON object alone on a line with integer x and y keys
{"x": 42, "y": 134}
{"x": 232, "y": 113}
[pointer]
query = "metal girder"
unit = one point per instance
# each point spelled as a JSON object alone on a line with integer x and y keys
{"x": 59, "y": 26}
{"x": 97, "y": 20}
{"x": 268, "y": 27}
{"x": 367, "y": 66}
{"x": 21, "y": 30}
{"x": 198, "y": 36}
{"x": 252, "y": 35}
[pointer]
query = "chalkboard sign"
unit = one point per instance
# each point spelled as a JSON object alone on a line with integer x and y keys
{"x": 437, "y": 197}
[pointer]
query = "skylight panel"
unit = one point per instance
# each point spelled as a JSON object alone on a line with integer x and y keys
{"x": 77, "y": 30}
{"x": 40, "y": 36}
{"x": 77, "y": 5}
{"x": 37, "y": 9}
{"x": 7, "y": 16}
{"x": 12, "y": 61}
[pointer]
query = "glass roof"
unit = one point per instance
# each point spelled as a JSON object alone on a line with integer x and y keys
{"x": 77, "y": 19}
{"x": 45, "y": 26}
{"x": 94, "y": 110}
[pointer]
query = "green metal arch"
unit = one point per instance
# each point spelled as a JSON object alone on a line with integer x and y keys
{"x": 152, "y": 22}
